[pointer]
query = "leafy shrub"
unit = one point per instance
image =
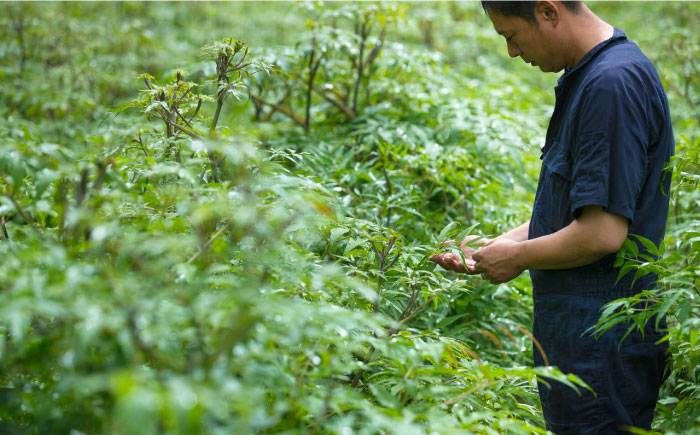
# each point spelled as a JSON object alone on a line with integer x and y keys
{"x": 198, "y": 263}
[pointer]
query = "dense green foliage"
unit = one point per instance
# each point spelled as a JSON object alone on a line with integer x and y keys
{"x": 235, "y": 238}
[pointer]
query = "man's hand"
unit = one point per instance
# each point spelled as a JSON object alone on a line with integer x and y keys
{"x": 590, "y": 237}
{"x": 453, "y": 262}
{"x": 497, "y": 261}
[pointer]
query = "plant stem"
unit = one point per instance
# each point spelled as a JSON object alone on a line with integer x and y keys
{"x": 209, "y": 242}
{"x": 298, "y": 119}
{"x": 215, "y": 121}
{"x": 5, "y": 236}
{"x": 360, "y": 64}
{"x": 389, "y": 192}
{"x": 313, "y": 67}
{"x": 339, "y": 104}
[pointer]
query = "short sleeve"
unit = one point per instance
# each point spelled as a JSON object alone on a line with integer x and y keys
{"x": 609, "y": 154}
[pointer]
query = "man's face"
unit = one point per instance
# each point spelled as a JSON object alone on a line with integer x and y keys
{"x": 532, "y": 43}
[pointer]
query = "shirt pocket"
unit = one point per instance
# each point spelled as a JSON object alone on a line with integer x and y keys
{"x": 556, "y": 188}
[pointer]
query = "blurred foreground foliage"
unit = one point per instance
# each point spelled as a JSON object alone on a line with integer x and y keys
{"x": 238, "y": 241}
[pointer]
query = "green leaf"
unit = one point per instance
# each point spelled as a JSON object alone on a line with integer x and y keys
{"x": 448, "y": 231}
{"x": 384, "y": 397}
{"x": 648, "y": 244}
{"x": 337, "y": 233}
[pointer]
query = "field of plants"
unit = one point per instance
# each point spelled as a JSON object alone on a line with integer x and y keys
{"x": 217, "y": 218}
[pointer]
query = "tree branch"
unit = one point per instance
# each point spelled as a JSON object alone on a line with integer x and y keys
{"x": 208, "y": 244}
{"x": 360, "y": 64}
{"x": 339, "y": 104}
{"x": 5, "y": 236}
{"x": 298, "y": 119}
{"x": 188, "y": 132}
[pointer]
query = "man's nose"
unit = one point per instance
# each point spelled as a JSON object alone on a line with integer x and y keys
{"x": 513, "y": 50}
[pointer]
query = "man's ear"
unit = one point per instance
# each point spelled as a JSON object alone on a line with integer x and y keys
{"x": 548, "y": 11}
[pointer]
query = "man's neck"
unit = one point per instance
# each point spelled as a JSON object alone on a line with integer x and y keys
{"x": 588, "y": 31}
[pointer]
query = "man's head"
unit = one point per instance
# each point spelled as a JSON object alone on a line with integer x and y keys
{"x": 534, "y": 30}
{"x": 523, "y": 9}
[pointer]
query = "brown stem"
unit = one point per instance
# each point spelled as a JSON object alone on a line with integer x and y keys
{"x": 383, "y": 267}
{"x": 370, "y": 61}
{"x": 172, "y": 118}
{"x": 215, "y": 121}
{"x": 238, "y": 67}
{"x": 24, "y": 214}
{"x": 182, "y": 117}
{"x": 375, "y": 50}
{"x": 101, "y": 172}
{"x": 214, "y": 165}
{"x": 18, "y": 24}
{"x": 64, "y": 205}
{"x": 360, "y": 372}
{"x": 5, "y": 236}
{"x": 208, "y": 244}
{"x": 410, "y": 302}
{"x": 380, "y": 279}
{"x": 339, "y": 104}
{"x": 537, "y": 344}
{"x": 312, "y": 72}
{"x": 143, "y": 147}
{"x": 81, "y": 189}
{"x": 258, "y": 111}
{"x": 296, "y": 118}
{"x": 389, "y": 191}
{"x": 212, "y": 130}
{"x": 279, "y": 103}
{"x": 360, "y": 64}
{"x": 395, "y": 329}
{"x": 199, "y": 105}
{"x": 188, "y": 132}
{"x": 313, "y": 67}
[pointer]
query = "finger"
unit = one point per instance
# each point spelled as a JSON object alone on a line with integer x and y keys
{"x": 470, "y": 267}
{"x": 447, "y": 243}
{"x": 453, "y": 261}
{"x": 458, "y": 265}
{"x": 439, "y": 259}
{"x": 476, "y": 255}
{"x": 444, "y": 260}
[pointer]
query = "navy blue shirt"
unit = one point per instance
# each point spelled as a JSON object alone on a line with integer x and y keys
{"x": 607, "y": 142}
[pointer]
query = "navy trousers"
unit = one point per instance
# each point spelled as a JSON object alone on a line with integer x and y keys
{"x": 626, "y": 378}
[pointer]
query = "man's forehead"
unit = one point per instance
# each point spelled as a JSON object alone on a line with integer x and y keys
{"x": 502, "y": 29}
{"x": 501, "y": 23}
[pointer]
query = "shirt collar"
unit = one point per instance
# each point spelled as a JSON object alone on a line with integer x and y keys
{"x": 617, "y": 34}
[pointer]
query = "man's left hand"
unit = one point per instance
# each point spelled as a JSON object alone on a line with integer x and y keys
{"x": 498, "y": 261}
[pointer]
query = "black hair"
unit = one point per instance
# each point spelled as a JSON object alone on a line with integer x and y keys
{"x": 523, "y": 9}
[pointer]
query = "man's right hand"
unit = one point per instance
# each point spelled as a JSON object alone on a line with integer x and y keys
{"x": 451, "y": 261}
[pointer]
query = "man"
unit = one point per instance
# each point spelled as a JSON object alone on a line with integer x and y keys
{"x": 601, "y": 179}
